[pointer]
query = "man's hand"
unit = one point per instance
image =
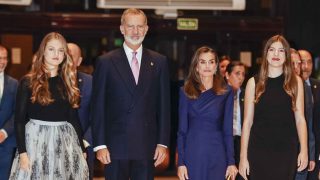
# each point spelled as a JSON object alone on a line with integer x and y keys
{"x": 2, "y": 137}
{"x": 312, "y": 165}
{"x": 103, "y": 156}
{"x": 159, "y": 155}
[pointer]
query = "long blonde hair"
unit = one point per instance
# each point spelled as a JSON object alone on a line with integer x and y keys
{"x": 290, "y": 81}
{"x": 193, "y": 85}
{"x": 39, "y": 75}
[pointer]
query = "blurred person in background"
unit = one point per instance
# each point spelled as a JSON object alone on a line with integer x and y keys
{"x": 85, "y": 87}
{"x": 235, "y": 75}
{"x": 8, "y": 89}
{"x": 312, "y": 113}
{"x": 296, "y": 61}
{"x": 224, "y": 61}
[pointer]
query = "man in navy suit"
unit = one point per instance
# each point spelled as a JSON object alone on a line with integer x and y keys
{"x": 8, "y": 89}
{"x": 312, "y": 87}
{"x": 235, "y": 75}
{"x": 131, "y": 105}
{"x": 85, "y": 86}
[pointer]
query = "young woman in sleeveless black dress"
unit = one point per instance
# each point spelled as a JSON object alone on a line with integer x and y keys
{"x": 274, "y": 123}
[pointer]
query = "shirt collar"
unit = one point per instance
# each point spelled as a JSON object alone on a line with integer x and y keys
{"x": 1, "y": 75}
{"x": 308, "y": 82}
{"x": 129, "y": 54}
{"x": 129, "y": 51}
{"x": 238, "y": 91}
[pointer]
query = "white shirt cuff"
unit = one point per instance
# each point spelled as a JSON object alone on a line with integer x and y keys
{"x": 86, "y": 144}
{"x": 5, "y": 133}
{"x": 99, "y": 147}
{"x": 162, "y": 145}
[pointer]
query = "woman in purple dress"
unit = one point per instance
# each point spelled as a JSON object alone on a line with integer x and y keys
{"x": 205, "y": 139}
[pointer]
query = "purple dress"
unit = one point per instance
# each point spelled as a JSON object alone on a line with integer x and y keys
{"x": 205, "y": 139}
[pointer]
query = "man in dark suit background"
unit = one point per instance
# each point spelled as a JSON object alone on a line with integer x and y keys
{"x": 311, "y": 87}
{"x": 235, "y": 75}
{"x": 131, "y": 105}
{"x": 85, "y": 86}
{"x": 8, "y": 89}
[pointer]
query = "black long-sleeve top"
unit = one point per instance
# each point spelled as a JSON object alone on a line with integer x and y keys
{"x": 59, "y": 110}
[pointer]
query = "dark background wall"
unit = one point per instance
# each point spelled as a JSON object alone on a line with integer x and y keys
{"x": 97, "y": 30}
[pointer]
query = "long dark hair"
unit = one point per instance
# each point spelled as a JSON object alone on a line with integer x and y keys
{"x": 193, "y": 85}
{"x": 290, "y": 81}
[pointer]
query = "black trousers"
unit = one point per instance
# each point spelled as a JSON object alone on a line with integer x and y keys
{"x": 90, "y": 161}
{"x": 129, "y": 169}
{"x": 236, "y": 144}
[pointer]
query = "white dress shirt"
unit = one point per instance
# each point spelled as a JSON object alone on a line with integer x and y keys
{"x": 237, "y": 125}
{"x": 1, "y": 84}
{"x": 129, "y": 54}
{"x": 1, "y": 93}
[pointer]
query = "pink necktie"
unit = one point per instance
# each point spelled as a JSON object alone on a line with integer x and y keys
{"x": 135, "y": 66}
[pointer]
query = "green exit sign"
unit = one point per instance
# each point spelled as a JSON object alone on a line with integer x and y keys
{"x": 187, "y": 24}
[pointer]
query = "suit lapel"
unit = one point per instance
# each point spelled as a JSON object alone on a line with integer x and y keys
{"x": 144, "y": 69}
{"x": 80, "y": 81}
{"x": 314, "y": 89}
{"x": 122, "y": 65}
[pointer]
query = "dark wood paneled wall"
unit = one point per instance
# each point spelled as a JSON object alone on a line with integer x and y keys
{"x": 229, "y": 35}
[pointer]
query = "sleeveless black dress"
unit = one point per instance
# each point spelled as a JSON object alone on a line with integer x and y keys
{"x": 273, "y": 142}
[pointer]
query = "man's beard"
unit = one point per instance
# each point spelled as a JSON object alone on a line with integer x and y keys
{"x": 134, "y": 41}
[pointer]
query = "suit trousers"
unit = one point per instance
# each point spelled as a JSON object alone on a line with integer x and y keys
{"x": 236, "y": 144}
{"x": 129, "y": 169}
{"x": 90, "y": 161}
{"x": 313, "y": 175}
{"x": 302, "y": 175}
{"x": 6, "y": 158}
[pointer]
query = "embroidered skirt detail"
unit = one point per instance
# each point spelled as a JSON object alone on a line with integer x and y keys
{"x": 54, "y": 153}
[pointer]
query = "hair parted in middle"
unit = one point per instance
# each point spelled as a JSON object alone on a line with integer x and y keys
{"x": 39, "y": 75}
{"x": 193, "y": 85}
{"x": 290, "y": 82}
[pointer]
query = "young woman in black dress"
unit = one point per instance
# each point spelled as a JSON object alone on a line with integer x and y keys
{"x": 274, "y": 123}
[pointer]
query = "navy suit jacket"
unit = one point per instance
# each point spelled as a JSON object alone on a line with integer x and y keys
{"x": 315, "y": 86}
{"x": 7, "y": 106}
{"x": 85, "y": 86}
{"x": 131, "y": 119}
